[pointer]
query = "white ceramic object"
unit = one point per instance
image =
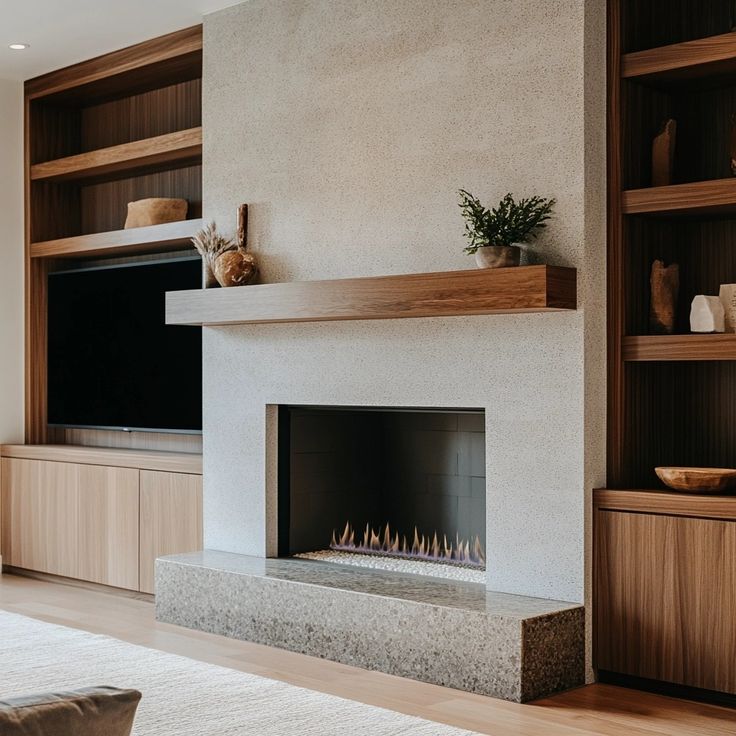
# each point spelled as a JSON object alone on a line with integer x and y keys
{"x": 707, "y": 315}
{"x": 727, "y": 296}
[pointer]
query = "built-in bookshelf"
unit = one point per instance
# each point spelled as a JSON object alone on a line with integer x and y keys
{"x": 99, "y": 134}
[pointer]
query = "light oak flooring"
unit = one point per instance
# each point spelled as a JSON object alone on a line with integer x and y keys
{"x": 594, "y": 710}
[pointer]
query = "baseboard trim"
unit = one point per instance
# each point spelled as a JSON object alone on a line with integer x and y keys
{"x": 682, "y": 692}
{"x": 73, "y": 583}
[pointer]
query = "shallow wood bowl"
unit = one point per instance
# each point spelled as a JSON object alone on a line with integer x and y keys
{"x": 698, "y": 480}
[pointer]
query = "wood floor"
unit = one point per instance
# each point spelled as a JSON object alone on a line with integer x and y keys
{"x": 596, "y": 710}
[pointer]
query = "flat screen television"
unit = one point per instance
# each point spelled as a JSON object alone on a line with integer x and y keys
{"x": 113, "y": 363}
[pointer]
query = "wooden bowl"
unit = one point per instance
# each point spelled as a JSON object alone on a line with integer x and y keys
{"x": 698, "y": 480}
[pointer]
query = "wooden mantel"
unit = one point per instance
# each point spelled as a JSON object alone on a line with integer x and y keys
{"x": 443, "y": 294}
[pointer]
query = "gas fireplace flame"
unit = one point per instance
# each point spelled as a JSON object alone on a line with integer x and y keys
{"x": 383, "y": 542}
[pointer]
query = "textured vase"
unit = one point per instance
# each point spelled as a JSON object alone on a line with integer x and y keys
{"x": 498, "y": 256}
{"x": 235, "y": 268}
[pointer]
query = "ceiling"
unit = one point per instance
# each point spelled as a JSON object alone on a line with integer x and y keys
{"x": 62, "y": 32}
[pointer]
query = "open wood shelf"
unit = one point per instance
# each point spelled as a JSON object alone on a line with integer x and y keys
{"x": 666, "y": 502}
{"x": 704, "y": 59}
{"x": 182, "y": 148}
{"x": 703, "y": 197}
{"x": 679, "y": 347}
{"x": 155, "y": 238}
{"x": 173, "y": 462}
{"x": 444, "y": 294}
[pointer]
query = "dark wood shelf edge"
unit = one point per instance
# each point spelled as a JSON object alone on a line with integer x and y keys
{"x": 686, "y": 61}
{"x": 665, "y": 502}
{"x": 694, "y": 347}
{"x": 701, "y": 197}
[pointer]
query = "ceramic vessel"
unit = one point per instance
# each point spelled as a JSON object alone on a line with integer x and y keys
{"x": 498, "y": 256}
{"x": 697, "y": 480}
{"x": 235, "y": 268}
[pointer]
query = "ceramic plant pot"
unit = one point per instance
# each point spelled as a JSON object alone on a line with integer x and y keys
{"x": 498, "y": 256}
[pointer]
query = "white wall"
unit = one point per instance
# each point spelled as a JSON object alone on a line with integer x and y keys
{"x": 11, "y": 261}
{"x": 348, "y": 127}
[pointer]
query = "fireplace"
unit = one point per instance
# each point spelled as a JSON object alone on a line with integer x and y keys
{"x": 390, "y": 488}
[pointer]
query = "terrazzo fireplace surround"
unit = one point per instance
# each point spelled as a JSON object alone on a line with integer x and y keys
{"x": 348, "y": 128}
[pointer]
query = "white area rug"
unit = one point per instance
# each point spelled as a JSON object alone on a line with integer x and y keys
{"x": 181, "y": 696}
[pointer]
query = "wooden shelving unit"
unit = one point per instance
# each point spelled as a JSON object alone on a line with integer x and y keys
{"x": 181, "y": 148}
{"x": 662, "y": 557}
{"x": 99, "y": 134}
{"x": 443, "y": 294}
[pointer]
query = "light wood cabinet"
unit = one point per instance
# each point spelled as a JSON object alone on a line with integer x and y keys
{"x": 666, "y": 598}
{"x": 93, "y": 521}
{"x": 108, "y": 525}
{"x": 171, "y": 519}
{"x": 40, "y": 516}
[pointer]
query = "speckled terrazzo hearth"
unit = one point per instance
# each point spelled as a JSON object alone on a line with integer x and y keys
{"x": 448, "y": 633}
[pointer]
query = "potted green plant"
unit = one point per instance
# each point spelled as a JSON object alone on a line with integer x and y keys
{"x": 496, "y": 234}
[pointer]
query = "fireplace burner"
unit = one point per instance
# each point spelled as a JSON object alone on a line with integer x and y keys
{"x": 413, "y": 479}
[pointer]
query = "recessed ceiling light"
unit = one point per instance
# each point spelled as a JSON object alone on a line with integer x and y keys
{"x": 19, "y": 46}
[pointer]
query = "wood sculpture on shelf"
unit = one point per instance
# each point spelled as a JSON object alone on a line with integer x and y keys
{"x": 663, "y": 154}
{"x": 665, "y": 285}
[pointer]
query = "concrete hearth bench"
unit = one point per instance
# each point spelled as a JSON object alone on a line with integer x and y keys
{"x": 444, "y": 632}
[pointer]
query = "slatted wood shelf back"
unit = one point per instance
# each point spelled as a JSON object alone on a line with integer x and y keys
{"x": 155, "y": 238}
{"x": 711, "y": 60}
{"x": 679, "y": 347}
{"x": 703, "y": 197}
{"x": 444, "y": 294}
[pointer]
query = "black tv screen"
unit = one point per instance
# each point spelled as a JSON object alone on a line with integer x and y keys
{"x": 113, "y": 362}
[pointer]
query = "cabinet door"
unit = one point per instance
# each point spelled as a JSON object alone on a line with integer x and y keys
{"x": 40, "y": 515}
{"x": 171, "y": 519}
{"x": 108, "y": 525}
{"x": 666, "y": 598}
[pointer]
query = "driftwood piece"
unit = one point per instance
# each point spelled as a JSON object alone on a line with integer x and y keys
{"x": 663, "y": 154}
{"x": 241, "y": 233}
{"x": 665, "y": 285}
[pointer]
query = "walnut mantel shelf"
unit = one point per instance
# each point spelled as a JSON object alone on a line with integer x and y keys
{"x": 443, "y": 294}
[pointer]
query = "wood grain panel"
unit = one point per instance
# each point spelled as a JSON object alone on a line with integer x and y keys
{"x": 615, "y": 225}
{"x": 119, "y": 458}
{"x": 666, "y": 598}
{"x": 182, "y": 148}
{"x": 171, "y": 519}
{"x": 162, "y": 61}
{"x": 136, "y": 117}
{"x": 108, "y": 526}
{"x": 666, "y": 502}
{"x": 703, "y": 197}
{"x": 649, "y": 24}
{"x": 158, "y": 238}
{"x": 679, "y": 347}
{"x": 40, "y": 515}
{"x": 479, "y": 291}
